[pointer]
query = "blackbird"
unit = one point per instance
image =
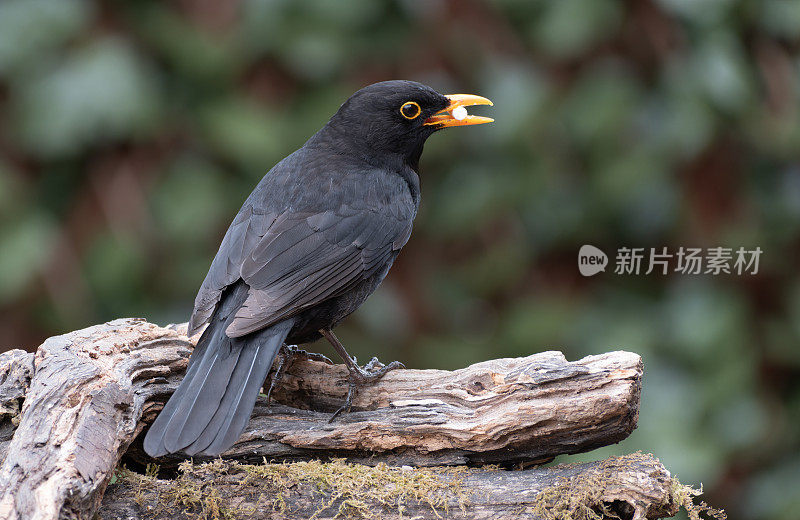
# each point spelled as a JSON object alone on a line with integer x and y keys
{"x": 313, "y": 240}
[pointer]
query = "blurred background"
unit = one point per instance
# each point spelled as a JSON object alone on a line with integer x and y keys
{"x": 131, "y": 132}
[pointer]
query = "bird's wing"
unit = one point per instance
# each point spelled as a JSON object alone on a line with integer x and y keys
{"x": 306, "y": 258}
{"x": 245, "y": 231}
{"x": 294, "y": 260}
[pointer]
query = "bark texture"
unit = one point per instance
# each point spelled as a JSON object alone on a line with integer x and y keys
{"x": 16, "y": 371}
{"x": 500, "y": 411}
{"x": 88, "y": 394}
{"x": 631, "y": 487}
{"x": 82, "y": 409}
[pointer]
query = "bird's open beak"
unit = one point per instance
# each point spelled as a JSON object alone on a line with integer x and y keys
{"x": 444, "y": 118}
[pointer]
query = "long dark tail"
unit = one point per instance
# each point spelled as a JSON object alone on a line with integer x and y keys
{"x": 211, "y": 407}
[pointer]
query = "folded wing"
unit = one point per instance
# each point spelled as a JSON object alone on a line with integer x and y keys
{"x": 295, "y": 260}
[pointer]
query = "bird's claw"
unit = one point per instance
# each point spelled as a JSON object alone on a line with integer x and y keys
{"x": 287, "y": 355}
{"x": 348, "y": 402}
{"x": 370, "y": 374}
{"x": 373, "y": 365}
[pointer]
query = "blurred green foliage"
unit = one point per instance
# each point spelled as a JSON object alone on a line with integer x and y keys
{"x": 130, "y": 133}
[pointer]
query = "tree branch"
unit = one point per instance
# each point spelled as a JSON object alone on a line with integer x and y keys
{"x": 94, "y": 390}
{"x": 634, "y": 487}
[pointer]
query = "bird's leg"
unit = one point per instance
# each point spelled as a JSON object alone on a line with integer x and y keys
{"x": 358, "y": 377}
{"x": 287, "y": 355}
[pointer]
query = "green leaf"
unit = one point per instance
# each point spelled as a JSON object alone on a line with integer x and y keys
{"x": 100, "y": 93}
{"x": 25, "y": 247}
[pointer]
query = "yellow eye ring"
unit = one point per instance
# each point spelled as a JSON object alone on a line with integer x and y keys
{"x": 410, "y": 110}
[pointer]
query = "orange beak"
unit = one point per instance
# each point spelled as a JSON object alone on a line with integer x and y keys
{"x": 444, "y": 118}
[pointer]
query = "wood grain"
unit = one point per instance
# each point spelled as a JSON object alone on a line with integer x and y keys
{"x": 93, "y": 391}
{"x": 16, "y": 371}
{"x": 633, "y": 487}
{"x": 500, "y": 411}
{"x": 81, "y": 412}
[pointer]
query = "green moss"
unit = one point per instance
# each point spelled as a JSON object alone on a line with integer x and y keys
{"x": 151, "y": 471}
{"x": 353, "y": 489}
{"x": 357, "y": 488}
{"x": 137, "y": 482}
{"x": 195, "y": 499}
{"x": 684, "y": 496}
{"x": 359, "y": 491}
{"x": 583, "y": 496}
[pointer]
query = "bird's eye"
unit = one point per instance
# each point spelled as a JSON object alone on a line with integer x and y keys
{"x": 410, "y": 110}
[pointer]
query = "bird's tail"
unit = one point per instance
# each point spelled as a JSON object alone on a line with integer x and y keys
{"x": 213, "y": 403}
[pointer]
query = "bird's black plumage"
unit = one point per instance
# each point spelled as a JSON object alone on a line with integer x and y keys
{"x": 313, "y": 240}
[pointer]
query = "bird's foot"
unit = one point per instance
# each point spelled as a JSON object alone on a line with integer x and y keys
{"x": 358, "y": 377}
{"x": 287, "y": 355}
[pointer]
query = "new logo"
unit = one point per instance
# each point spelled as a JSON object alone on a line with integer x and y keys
{"x": 591, "y": 260}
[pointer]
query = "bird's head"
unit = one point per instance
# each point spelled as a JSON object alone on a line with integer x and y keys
{"x": 394, "y": 118}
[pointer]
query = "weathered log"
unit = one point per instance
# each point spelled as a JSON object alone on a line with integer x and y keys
{"x": 16, "y": 371}
{"x": 81, "y": 412}
{"x": 632, "y": 487}
{"x": 500, "y": 411}
{"x": 94, "y": 390}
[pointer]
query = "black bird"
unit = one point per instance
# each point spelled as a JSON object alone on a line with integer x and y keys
{"x": 313, "y": 240}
